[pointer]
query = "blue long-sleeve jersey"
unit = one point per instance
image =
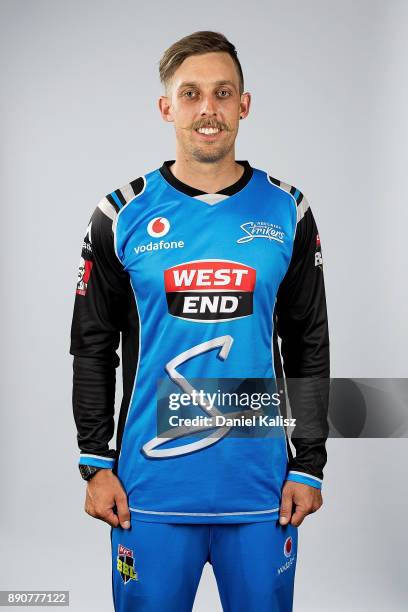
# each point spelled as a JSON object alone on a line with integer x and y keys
{"x": 199, "y": 287}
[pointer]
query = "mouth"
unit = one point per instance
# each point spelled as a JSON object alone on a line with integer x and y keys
{"x": 208, "y": 133}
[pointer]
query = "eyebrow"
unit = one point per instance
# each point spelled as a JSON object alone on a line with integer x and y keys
{"x": 217, "y": 83}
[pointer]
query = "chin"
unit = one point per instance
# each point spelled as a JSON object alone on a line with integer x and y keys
{"x": 209, "y": 157}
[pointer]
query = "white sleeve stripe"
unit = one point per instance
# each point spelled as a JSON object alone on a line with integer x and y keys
{"x": 127, "y": 192}
{"x": 302, "y": 208}
{"x": 97, "y": 457}
{"x": 107, "y": 208}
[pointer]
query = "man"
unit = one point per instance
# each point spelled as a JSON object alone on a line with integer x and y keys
{"x": 198, "y": 266}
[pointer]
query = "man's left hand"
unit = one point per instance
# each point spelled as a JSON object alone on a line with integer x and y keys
{"x": 298, "y": 500}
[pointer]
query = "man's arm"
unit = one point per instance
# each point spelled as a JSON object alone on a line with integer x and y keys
{"x": 100, "y": 311}
{"x": 302, "y": 324}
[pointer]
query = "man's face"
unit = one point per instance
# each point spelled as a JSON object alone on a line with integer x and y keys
{"x": 204, "y": 92}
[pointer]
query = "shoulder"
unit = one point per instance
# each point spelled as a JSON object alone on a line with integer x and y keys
{"x": 110, "y": 204}
{"x": 105, "y": 212}
{"x": 115, "y": 200}
{"x": 295, "y": 193}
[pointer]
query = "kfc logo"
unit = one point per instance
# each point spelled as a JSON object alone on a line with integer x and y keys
{"x": 85, "y": 263}
{"x": 84, "y": 272}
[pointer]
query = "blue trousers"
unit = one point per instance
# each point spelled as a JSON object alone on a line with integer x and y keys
{"x": 156, "y": 567}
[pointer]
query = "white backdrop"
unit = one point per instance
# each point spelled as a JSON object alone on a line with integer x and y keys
{"x": 79, "y": 118}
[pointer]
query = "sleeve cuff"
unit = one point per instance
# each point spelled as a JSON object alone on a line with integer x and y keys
{"x": 304, "y": 478}
{"x": 96, "y": 461}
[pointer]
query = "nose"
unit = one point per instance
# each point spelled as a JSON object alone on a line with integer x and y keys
{"x": 208, "y": 107}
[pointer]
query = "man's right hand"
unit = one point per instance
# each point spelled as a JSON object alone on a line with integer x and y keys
{"x": 103, "y": 492}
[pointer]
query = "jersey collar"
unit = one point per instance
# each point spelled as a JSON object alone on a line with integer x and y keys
{"x": 192, "y": 191}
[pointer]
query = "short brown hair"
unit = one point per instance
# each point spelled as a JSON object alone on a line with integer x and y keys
{"x": 197, "y": 43}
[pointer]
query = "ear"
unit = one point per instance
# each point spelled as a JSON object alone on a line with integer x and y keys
{"x": 245, "y": 104}
{"x": 165, "y": 108}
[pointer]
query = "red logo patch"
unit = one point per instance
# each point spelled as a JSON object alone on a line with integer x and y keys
{"x": 125, "y": 564}
{"x": 210, "y": 290}
{"x": 287, "y": 547}
{"x": 84, "y": 272}
{"x": 158, "y": 227}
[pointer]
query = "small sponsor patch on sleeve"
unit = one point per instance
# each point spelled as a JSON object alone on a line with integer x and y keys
{"x": 84, "y": 272}
{"x": 318, "y": 253}
{"x": 85, "y": 263}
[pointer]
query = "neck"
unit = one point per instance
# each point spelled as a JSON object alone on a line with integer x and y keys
{"x": 208, "y": 177}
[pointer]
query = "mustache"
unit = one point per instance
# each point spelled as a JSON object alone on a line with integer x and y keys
{"x": 221, "y": 126}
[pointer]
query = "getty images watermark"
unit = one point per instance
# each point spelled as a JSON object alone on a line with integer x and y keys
{"x": 309, "y": 407}
{"x": 251, "y": 409}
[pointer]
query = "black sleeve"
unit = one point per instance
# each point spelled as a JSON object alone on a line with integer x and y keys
{"x": 100, "y": 310}
{"x": 302, "y": 324}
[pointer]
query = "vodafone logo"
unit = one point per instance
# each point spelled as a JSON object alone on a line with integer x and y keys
{"x": 210, "y": 290}
{"x": 287, "y": 547}
{"x": 158, "y": 227}
{"x": 288, "y": 552}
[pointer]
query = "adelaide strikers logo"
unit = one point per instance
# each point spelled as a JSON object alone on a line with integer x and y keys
{"x": 261, "y": 229}
{"x": 287, "y": 547}
{"x": 158, "y": 227}
{"x": 126, "y": 564}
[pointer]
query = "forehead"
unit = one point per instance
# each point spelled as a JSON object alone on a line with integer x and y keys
{"x": 206, "y": 69}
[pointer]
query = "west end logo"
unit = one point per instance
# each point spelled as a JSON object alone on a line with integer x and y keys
{"x": 210, "y": 290}
{"x": 261, "y": 229}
